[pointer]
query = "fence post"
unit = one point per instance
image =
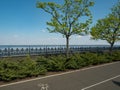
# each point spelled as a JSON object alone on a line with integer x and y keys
{"x": 46, "y": 50}
{"x": 29, "y": 49}
{"x": 8, "y": 51}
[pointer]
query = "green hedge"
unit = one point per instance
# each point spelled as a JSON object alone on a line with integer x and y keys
{"x": 11, "y": 69}
{"x": 56, "y": 63}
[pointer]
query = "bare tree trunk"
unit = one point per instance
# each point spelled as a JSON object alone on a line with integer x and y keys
{"x": 67, "y": 47}
{"x": 111, "y": 48}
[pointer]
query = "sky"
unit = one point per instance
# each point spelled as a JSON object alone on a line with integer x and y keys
{"x": 21, "y": 23}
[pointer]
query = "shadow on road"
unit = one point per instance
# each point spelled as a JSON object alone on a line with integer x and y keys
{"x": 116, "y": 82}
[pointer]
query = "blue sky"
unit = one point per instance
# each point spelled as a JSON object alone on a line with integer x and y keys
{"x": 21, "y": 23}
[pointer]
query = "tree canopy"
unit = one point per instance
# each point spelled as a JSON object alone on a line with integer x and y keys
{"x": 108, "y": 28}
{"x": 66, "y": 18}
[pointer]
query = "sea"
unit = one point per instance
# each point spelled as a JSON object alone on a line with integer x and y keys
{"x": 50, "y": 46}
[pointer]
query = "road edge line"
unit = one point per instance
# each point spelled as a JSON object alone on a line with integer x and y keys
{"x": 100, "y": 82}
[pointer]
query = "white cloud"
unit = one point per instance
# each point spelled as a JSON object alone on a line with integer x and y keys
{"x": 52, "y": 39}
{"x": 43, "y": 30}
{"x": 78, "y": 37}
{"x": 15, "y": 36}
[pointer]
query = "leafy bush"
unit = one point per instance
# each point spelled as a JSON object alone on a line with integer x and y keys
{"x": 8, "y": 70}
{"x": 116, "y": 56}
{"x": 108, "y": 57}
{"x": 79, "y": 60}
{"x": 89, "y": 58}
{"x": 101, "y": 59}
{"x": 7, "y": 75}
{"x": 31, "y": 68}
{"x": 42, "y": 61}
{"x": 75, "y": 62}
{"x": 71, "y": 63}
{"x": 94, "y": 58}
{"x": 56, "y": 63}
{"x": 27, "y": 67}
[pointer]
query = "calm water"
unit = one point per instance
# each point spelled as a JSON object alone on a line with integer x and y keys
{"x": 49, "y": 46}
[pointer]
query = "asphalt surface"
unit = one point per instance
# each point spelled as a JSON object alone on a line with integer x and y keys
{"x": 105, "y": 77}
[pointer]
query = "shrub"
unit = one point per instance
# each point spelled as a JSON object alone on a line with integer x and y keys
{"x": 116, "y": 56}
{"x": 108, "y": 57}
{"x": 27, "y": 67}
{"x": 31, "y": 68}
{"x": 42, "y": 61}
{"x": 79, "y": 60}
{"x": 101, "y": 59}
{"x": 7, "y": 75}
{"x": 56, "y": 63}
{"x": 75, "y": 62}
{"x": 71, "y": 63}
{"x": 89, "y": 58}
{"x": 8, "y": 70}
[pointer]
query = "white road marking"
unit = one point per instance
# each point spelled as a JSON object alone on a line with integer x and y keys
{"x": 58, "y": 74}
{"x": 43, "y": 86}
{"x": 100, "y": 82}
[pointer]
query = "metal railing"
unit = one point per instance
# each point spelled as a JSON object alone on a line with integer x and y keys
{"x": 9, "y": 51}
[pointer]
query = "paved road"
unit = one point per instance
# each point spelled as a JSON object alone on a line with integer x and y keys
{"x": 105, "y": 77}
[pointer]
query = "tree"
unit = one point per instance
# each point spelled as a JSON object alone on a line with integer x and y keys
{"x": 66, "y": 18}
{"x": 108, "y": 28}
{"x": 116, "y": 10}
